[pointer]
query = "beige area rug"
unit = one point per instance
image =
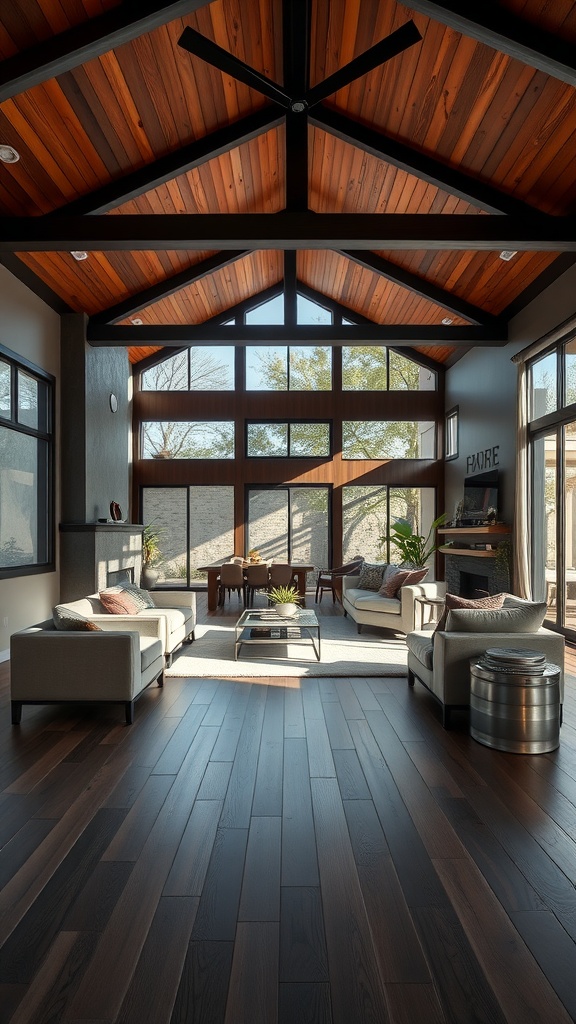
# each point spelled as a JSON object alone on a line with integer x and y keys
{"x": 344, "y": 652}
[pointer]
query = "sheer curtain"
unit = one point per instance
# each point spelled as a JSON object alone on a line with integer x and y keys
{"x": 522, "y": 584}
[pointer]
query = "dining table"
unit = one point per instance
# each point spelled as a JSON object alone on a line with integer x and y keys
{"x": 213, "y": 571}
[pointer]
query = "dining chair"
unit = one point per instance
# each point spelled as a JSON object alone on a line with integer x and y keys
{"x": 256, "y": 578}
{"x": 280, "y": 574}
{"x": 326, "y": 578}
{"x": 231, "y": 578}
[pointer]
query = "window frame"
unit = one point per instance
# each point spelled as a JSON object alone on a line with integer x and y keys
{"x": 453, "y": 415}
{"x": 45, "y": 484}
{"x": 288, "y": 423}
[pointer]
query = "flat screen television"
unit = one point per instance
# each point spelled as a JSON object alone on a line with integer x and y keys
{"x": 480, "y": 494}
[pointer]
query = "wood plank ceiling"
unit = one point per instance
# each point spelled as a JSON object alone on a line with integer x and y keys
{"x": 113, "y": 118}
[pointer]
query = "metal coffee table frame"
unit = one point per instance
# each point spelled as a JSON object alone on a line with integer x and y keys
{"x": 303, "y": 627}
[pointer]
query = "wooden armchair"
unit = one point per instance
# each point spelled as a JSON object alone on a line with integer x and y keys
{"x": 326, "y": 578}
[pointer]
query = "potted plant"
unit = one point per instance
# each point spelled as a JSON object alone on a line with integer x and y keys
{"x": 414, "y": 548}
{"x": 286, "y": 599}
{"x": 150, "y": 555}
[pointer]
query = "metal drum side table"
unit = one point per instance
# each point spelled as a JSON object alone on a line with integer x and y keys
{"x": 515, "y": 701}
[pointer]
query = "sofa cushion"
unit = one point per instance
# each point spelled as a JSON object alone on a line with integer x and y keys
{"x": 401, "y": 578}
{"x": 455, "y": 601}
{"x": 421, "y": 644}
{"x": 150, "y": 651}
{"x": 141, "y": 598}
{"x": 176, "y": 618}
{"x": 527, "y": 619}
{"x": 371, "y": 574}
{"x": 368, "y": 601}
{"x": 65, "y": 618}
{"x": 117, "y": 601}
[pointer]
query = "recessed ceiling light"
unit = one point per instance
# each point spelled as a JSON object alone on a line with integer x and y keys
{"x": 78, "y": 255}
{"x": 137, "y": 321}
{"x": 508, "y": 254}
{"x": 446, "y": 320}
{"x": 8, "y": 155}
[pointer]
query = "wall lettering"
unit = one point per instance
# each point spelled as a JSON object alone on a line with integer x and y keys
{"x": 488, "y": 459}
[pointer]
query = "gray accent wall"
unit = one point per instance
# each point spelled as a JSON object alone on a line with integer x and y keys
{"x": 96, "y": 451}
{"x": 483, "y": 385}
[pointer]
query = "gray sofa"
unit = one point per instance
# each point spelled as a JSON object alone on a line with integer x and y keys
{"x": 53, "y": 666}
{"x": 369, "y": 608}
{"x": 441, "y": 659}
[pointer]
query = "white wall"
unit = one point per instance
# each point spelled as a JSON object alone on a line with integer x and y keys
{"x": 30, "y": 328}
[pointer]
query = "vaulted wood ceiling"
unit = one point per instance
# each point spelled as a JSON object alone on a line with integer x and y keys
{"x": 391, "y": 193}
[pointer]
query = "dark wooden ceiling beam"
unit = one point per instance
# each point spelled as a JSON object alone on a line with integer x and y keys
{"x": 290, "y": 289}
{"x": 419, "y": 286}
{"x": 54, "y": 56}
{"x": 170, "y": 166}
{"x": 296, "y": 21}
{"x": 156, "y": 292}
{"x": 499, "y": 28}
{"x": 396, "y": 335}
{"x": 294, "y": 230}
{"x": 383, "y": 147}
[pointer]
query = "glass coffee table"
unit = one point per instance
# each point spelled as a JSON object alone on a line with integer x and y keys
{"x": 266, "y": 626}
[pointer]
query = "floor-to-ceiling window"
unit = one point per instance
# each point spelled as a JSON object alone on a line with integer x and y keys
{"x": 552, "y": 411}
{"x": 303, "y": 451}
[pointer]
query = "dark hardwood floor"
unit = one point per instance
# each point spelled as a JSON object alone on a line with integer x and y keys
{"x": 315, "y": 851}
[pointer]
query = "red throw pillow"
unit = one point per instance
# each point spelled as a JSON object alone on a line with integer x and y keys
{"x": 454, "y": 601}
{"x": 118, "y": 602}
{"x": 402, "y": 578}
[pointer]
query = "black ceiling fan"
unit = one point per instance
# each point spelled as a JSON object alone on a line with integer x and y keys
{"x": 302, "y": 100}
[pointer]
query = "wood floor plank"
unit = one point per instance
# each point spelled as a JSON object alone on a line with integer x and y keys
{"x": 215, "y": 782}
{"x": 260, "y": 896}
{"x": 303, "y": 955}
{"x": 419, "y": 881}
{"x": 190, "y": 864}
{"x": 55, "y": 980}
{"x": 350, "y": 776}
{"x": 294, "y": 714}
{"x": 254, "y": 975}
{"x": 348, "y": 700}
{"x": 520, "y": 987}
{"x": 218, "y": 910}
{"x": 306, "y": 1004}
{"x": 29, "y": 942}
{"x": 121, "y": 943}
{"x": 338, "y": 731}
{"x": 299, "y": 858}
{"x": 130, "y": 838}
{"x": 170, "y": 761}
{"x": 152, "y": 993}
{"x": 229, "y": 732}
{"x": 268, "y": 786}
{"x": 396, "y": 942}
{"x": 240, "y": 792}
{"x": 554, "y": 951}
{"x": 203, "y": 989}
{"x": 26, "y": 782}
{"x": 355, "y": 981}
{"x": 365, "y": 695}
{"x": 412, "y": 1003}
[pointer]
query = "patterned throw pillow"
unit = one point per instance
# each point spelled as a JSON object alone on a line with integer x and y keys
{"x": 402, "y": 578}
{"x": 118, "y": 602}
{"x": 454, "y": 601}
{"x": 66, "y": 619}
{"x": 371, "y": 576}
{"x": 141, "y": 598}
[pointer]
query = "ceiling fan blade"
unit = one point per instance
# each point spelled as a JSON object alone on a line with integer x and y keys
{"x": 387, "y": 48}
{"x": 223, "y": 60}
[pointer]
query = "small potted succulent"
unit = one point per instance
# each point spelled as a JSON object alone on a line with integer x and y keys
{"x": 286, "y": 600}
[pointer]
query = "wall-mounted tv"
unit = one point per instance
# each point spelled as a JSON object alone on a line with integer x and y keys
{"x": 480, "y": 494}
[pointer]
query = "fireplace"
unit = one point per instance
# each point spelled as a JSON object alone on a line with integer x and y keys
{"x": 473, "y": 585}
{"x": 94, "y": 555}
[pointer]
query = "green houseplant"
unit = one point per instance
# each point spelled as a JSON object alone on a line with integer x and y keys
{"x": 414, "y": 548}
{"x": 286, "y": 599}
{"x": 150, "y": 555}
